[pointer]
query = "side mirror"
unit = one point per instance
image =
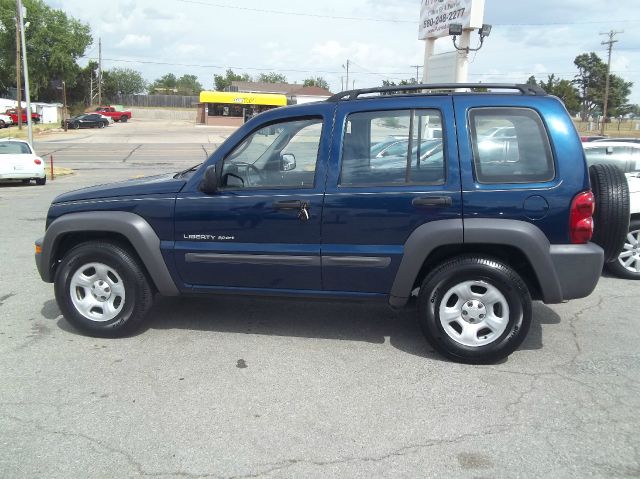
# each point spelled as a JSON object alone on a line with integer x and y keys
{"x": 288, "y": 162}
{"x": 209, "y": 184}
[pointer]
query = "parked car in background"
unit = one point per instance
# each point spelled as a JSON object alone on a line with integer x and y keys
{"x": 618, "y": 140}
{"x": 590, "y": 138}
{"x": 13, "y": 113}
{"x": 18, "y": 161}
{"x": 112, "y": 112}
{"x": 87, "y": 120}
{"x": 5, "y": 121}
{"x": 626, "y": 156}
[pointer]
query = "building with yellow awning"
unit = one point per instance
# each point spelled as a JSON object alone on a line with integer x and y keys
{"x": 234, "y": 108}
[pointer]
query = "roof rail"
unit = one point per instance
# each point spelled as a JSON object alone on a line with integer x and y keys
{"x": 524, "y": 88}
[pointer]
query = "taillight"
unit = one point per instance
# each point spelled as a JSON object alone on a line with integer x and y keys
{"x": 581, "y": 217}
{"x": 37, "y": 161}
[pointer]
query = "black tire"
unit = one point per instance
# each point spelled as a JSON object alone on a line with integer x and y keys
{"x": 616, "y": 267}
{"x": 123, "y": 118}
{"x": 2, "y": 124}
{"x": 438, "y": 285}
{"x": 41, "y": 181}
{"x": 26, "y": 181}
{"x": 102, "y": 124}
{"x": 138, "y": 295}
{"x": 75, "y": 126}
{"x": 611, "y": 219}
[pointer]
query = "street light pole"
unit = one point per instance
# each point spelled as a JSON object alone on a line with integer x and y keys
{"x": 27, "y": 95}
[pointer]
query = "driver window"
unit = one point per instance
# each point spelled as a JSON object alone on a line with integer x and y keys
{"x": 281, "y": 155}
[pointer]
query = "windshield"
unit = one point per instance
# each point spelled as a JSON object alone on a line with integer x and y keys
{"x": 14, "y": 148}
{"x": 624, "y": 157}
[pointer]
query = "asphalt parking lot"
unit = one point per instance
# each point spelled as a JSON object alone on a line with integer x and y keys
{"x": 232, "y": 387}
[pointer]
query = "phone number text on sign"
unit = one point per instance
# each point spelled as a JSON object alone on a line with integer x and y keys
{"x": 437, "y": 15}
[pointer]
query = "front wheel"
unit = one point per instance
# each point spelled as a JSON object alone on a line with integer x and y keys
{"x": 474, "y": 309}
{"x": 102, "y": 290}
{"x": 627, "y": 264}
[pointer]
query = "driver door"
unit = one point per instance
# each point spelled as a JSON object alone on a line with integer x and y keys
{"x": 262, "y": 228}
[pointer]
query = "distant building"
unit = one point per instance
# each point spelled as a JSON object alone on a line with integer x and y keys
{"x": 242, "y": 100}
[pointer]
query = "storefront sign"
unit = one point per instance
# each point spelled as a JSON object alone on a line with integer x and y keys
{"x": 437, "y": 15}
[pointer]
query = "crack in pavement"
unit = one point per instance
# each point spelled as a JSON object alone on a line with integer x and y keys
{"x": 124, "y": 160}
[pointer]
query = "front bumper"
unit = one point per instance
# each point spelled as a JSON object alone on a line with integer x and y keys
{"x": 578, "y": 268}
{"x": 42, "y": 268}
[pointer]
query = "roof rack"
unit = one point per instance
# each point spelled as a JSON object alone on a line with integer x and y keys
{"x": 524, "y": 88}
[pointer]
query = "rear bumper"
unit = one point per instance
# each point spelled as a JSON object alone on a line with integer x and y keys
{"x": 22, "y": 175}
{"x": 578, "y": 268}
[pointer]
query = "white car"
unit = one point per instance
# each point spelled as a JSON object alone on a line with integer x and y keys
{"x": 18, "y": 161}
{"x": 625, "y": 155}
{"x": 5, "y": 121}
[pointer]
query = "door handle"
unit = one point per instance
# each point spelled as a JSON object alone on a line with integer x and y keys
{"x": 427, "y": 201}
{"x": 289, "y": 204}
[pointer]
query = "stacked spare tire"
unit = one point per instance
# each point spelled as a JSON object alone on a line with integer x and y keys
{"x": 611, "y": 218}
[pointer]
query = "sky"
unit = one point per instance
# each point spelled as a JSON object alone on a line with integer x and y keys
{"x": 378, "y": 37}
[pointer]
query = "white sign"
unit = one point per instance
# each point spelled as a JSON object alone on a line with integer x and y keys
{"x": 437, "y": 15}
{"x": 442, "y": 68}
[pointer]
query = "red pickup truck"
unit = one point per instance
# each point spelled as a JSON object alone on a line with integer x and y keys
{"x": 13, "y": 113}
{"x": 122, "y": 116}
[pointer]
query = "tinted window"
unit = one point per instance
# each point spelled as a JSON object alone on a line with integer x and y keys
{"x": 393, "y": 148}
{"x": 510, "y": 145}
{"x": 279, "y": 155}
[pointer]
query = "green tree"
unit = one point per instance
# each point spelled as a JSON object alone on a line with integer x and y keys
{"x": 272, "y": 77}
{"x": 123, "y": 81}
{"x": 188, "y": 85}
{"x": 317, "y": 81}
{"x": 591, "y": 83}
{"x": 165, "y": 84}
{"x": 563, "y": 89}
{"x": 223, "y": 81}
{"x": 55, "y": 41}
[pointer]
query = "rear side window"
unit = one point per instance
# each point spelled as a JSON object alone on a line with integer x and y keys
{"x": 397, "y": 147}
{"x": 510, "y": 145}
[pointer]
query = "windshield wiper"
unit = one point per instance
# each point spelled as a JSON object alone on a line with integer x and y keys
{"x": 188, "y": 170}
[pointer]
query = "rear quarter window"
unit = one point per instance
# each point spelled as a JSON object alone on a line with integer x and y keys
{"x": 521, "y": 153}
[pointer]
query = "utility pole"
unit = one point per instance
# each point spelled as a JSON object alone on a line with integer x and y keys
{"x": 610, "y": 42}
{"x": 417, "y": 72}
{"x": 347, "y": 80}
{"x": 18, "y": 72}
{"x": 99, "y": 71}
{"x": 27, "y": 94}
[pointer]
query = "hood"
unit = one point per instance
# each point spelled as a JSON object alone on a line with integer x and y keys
{"x": 150, "y": 185}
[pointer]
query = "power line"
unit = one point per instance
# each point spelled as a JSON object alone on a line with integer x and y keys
{"x": 611, "y": 34}
{"x": 297, "y": 14}
{"x": 387, "y": 20}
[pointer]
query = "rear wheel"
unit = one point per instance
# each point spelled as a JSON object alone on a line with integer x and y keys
{"x": 2, "y": 124}
{"x": 627, "y": 264}
{"x": 102, "y": 290}
{"x": 123, "y": 119}
{"x": 41, "y": 181}
{"x": 474, "y": 309}
{"x": 611, "y": 218}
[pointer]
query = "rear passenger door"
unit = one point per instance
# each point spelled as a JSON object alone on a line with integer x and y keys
{"x": 516, "y": 177}
{"x": 374, "y": 201}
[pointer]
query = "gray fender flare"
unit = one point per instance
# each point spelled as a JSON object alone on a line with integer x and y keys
{"x": 133, "y": 227}
{"x": 419, "y": 245}
{"x": 526, "y": 237}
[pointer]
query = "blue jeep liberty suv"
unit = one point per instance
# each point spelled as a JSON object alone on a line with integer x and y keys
{"x": 473, "y": 203}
